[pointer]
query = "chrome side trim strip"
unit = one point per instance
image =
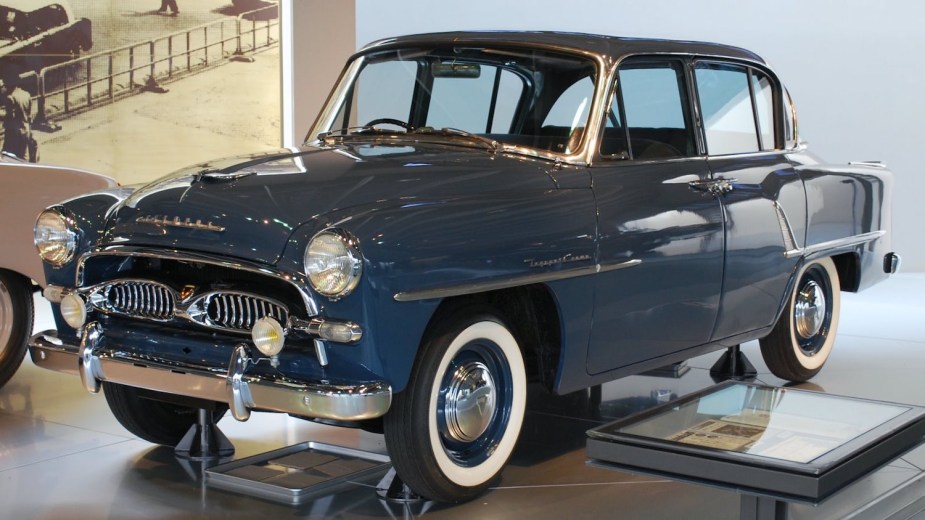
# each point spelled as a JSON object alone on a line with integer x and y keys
{"x": 507, "y": 283}
{"x": 875, "y": 164}
{"x": 836, "y": 244}
{"x": 243, "y": 393}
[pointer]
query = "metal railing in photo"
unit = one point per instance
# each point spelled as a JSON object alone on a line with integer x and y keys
{"x": 76, "y": 85}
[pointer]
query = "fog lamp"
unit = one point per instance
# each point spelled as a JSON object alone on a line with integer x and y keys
{"x": 74, "y": 310}
{"x": 268, "y": 336}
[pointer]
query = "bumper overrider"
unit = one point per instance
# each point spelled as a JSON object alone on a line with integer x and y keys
{"x": 243, "y": 392}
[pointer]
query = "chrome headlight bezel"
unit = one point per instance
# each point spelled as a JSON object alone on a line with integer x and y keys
{"x": 333, "y": 263}
{"x": 55, "y": 237}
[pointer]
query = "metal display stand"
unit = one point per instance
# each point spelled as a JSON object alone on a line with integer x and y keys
{"x": 204, "y": 441}
{"x": 733, "y": 365}
{"x": 299, "y": 473}
{"x": 773, "y": 446}
{"x": 393, "y": 489}
{"x": 754, "y": 507}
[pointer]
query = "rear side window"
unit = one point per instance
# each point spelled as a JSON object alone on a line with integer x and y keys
{"x": 649, "y": 116}
{"x": 737, "y": 108}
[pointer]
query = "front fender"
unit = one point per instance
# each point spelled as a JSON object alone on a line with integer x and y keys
{"x": 463, "y": 246}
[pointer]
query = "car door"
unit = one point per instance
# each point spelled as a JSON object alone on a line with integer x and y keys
{"x": 660, "y": 236}
{"x": 764, "y": 199}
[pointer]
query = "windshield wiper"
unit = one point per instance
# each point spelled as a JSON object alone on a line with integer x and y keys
{"x": 351, "y": 130}
{"x": 489, "y": 143}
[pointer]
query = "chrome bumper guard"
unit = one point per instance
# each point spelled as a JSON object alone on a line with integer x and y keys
{"x": 242, "y": 392}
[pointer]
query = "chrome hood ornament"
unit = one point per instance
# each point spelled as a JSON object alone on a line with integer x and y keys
{"x": 164, "y": 221}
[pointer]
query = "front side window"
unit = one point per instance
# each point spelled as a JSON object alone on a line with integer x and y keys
{"x": 518, "y": 97}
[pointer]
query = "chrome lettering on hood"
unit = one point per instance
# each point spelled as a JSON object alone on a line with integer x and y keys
{"x": 164, "y": 220}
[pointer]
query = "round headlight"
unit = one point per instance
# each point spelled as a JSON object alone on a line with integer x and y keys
{"x": 55, "y": 237}
{"x": 333, "y": 263}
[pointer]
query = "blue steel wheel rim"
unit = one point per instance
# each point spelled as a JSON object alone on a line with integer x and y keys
{"x": 488, "y": 355}
{"x": 814, "y": 279}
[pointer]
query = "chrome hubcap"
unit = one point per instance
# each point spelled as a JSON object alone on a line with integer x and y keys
{"x": 809, "y": 310}
{"x": 471, "y": 399}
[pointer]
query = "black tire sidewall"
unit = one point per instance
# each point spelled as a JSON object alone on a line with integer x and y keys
{"x": 158, "y": 422}
{"x": 14, "y": 351}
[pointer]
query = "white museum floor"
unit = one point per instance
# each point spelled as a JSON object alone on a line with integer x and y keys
{"x": 63, "y": 455}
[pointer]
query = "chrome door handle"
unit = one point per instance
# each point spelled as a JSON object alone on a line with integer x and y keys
{"x": 714, "y": 186}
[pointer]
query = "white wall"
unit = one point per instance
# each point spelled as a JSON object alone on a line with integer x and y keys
{"x": 318, "y": 36}
{"x": 853, "y": 67}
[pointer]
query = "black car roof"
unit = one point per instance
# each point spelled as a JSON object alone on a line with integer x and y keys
{"x": 614, "y": 47}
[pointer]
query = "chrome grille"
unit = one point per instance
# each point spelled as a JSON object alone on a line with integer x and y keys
{"x": 140, "y": 299}
{"x": 226, "y": 310}
{"x": 239, "y": 311}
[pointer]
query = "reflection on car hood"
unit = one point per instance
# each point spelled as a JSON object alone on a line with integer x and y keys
{"x": 248, "y": 206}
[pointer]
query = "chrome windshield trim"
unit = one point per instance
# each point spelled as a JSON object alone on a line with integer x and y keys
{"x": 581, "y": 157}
{"x": 507, "y": 283}
{"x": 836, "y": 244}
{"x": 296, "y": 280}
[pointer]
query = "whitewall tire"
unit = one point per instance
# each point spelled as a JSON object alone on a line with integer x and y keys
{"x": 801, "y": 341}
{"x": 452, "y": 430}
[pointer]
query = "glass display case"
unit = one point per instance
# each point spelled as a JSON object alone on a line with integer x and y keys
{"x": 783, "y": 442}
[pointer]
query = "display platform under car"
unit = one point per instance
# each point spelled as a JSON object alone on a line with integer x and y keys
{"x": 772, "y": 445}
{"x": 470, "y": 211}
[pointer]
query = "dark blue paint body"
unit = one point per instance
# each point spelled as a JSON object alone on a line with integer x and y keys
{"x": 430, "y": 216}
{"x": 437, "y": 214}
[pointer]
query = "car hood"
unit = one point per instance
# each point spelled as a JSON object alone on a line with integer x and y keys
{"x": 248, "y": 206}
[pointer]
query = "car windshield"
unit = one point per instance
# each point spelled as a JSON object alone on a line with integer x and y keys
{"x": 500, "y": 98}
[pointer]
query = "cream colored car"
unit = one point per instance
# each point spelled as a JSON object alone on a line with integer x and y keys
{"x": 25, "y": 190}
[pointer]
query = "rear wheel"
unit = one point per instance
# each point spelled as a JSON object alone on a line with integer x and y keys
{"x": 802, "y": 339}
{"x": 453, "y": 429}
{"x": 16, "y": 318}
{"x": 160, "y": 422}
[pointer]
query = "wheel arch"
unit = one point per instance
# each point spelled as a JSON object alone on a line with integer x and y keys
{"x": 530, "y": 312}
{"x": 848, "y": 266}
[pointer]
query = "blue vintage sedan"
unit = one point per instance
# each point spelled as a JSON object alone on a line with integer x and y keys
{"x": 470, "y": 212}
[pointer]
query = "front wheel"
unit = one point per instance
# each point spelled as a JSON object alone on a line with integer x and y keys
{"x": 156, "y": 421}
{"x": 802, "y": 339}
{"x": 453, "y": 429}
{"x": 16, "y": 315}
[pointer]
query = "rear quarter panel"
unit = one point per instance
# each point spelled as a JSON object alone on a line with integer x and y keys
{"x": 850, "y": 200}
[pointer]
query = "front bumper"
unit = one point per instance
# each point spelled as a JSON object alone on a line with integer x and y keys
{"x": 243, "y": 392}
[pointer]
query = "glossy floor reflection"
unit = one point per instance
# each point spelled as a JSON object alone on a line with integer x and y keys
{"x": 62, "y": 455}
